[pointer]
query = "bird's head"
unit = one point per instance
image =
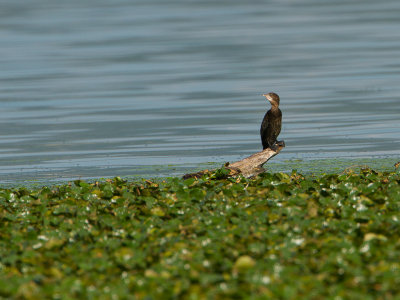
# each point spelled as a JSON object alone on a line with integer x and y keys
{"x": 272, "y": 98}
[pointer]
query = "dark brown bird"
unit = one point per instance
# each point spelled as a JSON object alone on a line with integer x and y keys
{"x": 272, "y": 122}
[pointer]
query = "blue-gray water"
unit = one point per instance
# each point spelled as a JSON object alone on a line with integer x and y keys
{"x": 105, "y": 88}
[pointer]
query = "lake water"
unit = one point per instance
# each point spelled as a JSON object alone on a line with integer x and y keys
{"x": 93, "y": 89}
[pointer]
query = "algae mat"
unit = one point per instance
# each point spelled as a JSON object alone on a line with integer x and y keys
{"x": 278, "y": 236}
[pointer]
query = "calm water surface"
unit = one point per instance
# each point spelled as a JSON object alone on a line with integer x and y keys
{"x": 96, "y": 88}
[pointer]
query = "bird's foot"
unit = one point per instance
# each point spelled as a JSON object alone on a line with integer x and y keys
{"x": 274, "y": 147}
{"x": 277, "y": 145}
{"x": 280, "y": 143}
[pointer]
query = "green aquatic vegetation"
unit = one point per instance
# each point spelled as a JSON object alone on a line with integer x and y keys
{"x": 277, "y": 236}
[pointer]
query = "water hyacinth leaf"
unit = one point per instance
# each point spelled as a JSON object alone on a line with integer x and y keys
{"x": 272, "y": 236}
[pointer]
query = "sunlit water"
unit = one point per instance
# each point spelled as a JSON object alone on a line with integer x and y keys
{"x": 95, "y": 89}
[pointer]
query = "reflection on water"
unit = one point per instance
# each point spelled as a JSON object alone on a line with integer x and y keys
{"x": 91, "y": 89}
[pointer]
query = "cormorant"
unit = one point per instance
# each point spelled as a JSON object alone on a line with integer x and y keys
{"x": 272, "y": 122}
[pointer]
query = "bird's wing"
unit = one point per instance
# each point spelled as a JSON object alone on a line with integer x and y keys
{"x": 264, "y": 124}
{"x": 263, "y": 131}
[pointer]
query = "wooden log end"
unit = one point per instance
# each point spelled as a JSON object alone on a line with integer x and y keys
{"x": 196, "y": 175}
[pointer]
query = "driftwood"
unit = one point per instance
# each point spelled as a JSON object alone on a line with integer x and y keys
{"x": 249, "y": 166}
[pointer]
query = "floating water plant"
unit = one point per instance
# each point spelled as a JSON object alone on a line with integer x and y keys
{"x": 276, "y": 236}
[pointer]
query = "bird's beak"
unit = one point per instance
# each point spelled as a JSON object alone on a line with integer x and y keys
{"x": 268, "y": 97}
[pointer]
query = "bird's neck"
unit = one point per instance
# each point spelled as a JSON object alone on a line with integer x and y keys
{"x": 274, "y": 108}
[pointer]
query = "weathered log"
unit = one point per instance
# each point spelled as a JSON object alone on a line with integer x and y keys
{"x": 249, "y": 166}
